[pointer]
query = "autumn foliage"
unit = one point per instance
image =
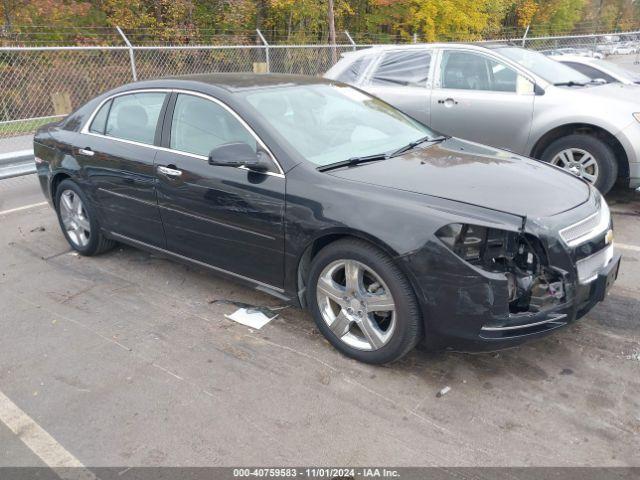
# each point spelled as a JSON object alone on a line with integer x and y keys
{"x": 306, "y": 20}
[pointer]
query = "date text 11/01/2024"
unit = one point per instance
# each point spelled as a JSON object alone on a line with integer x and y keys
{"x": 316, "y": 472}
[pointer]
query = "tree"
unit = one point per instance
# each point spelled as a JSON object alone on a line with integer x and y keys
{"x": 332, "y": 30}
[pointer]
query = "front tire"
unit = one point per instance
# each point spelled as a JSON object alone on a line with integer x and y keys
{"x": 587, "y": 157}
{"x": 78, "y": 220}
{"x": 362, "y": 303}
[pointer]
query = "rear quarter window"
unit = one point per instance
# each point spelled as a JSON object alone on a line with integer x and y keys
{"x": 355, "y": 70}
{"x": 99, "y": 122}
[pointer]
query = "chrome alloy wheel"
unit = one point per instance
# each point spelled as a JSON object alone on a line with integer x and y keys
{"x": 579, "y": 162}
{"x": 74, "y": 218}
{"x": 356, "y": 304}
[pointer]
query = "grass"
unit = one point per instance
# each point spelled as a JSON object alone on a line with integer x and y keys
{"x": 20, "y": 127}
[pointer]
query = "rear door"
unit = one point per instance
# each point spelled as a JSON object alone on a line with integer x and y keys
{"x": 402, "y": 78}
{"x": 227, "y": 217}
{"x": 478, "y": 98}
{"x": 118, "y": 150}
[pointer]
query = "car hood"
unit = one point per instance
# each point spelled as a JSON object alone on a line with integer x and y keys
{"x": 476, "y": 174}
{"x": 628, "y": 94}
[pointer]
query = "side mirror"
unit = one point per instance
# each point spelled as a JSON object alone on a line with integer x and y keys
{"x": 237, "y": 154}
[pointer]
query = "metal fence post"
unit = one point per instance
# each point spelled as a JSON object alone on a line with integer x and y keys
{"x": 350, "y": 40}
{"x": 134, "y": 73}
{"x": 266, "y": 49}
{"x": 524, "y": 37}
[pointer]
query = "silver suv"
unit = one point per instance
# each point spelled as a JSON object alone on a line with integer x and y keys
{"x": 510, "y": 98}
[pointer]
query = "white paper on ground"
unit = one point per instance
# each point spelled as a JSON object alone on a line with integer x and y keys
{"x": 250, "y": 318}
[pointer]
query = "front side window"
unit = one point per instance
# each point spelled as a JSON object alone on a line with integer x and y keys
{"x": 327, "y": 123}
{"x": 469, "y": 71}
{"x": 200, "y": 125}
{"x": 408, "y": 67}
{"x": 134, "y": 116}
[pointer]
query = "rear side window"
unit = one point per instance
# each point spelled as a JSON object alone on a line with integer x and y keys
{"x": 200, "y": 125}
{"x": 355, "y": 69}
{"x": 403, "y": 68}
{"x": 135, "y": 116}
{"x": 100, "y": 120}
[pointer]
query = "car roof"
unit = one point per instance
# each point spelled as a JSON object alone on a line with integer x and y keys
{"x": 418, "y": 46}
{"x": 234, "y": 82}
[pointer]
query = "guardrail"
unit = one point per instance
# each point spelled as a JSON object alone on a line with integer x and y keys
{"x": 15, "y": 164}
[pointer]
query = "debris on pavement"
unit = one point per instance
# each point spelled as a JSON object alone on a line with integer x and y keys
{"x": 38, "y": 229}
{"x": 251, "y": 318}
{"x": 267, "y": 311}
{"x": 443, "y": 391}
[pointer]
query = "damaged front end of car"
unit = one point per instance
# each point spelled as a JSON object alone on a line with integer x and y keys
{"x": 534, "y": 288}
{"x": 488, "y": 286}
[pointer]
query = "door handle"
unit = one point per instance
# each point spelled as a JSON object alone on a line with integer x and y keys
{"x": 86, "y": 151}
{"x": 449, "y": 102}
{"x": 170, "y": 172}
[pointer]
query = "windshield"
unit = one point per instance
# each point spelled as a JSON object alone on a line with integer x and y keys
{"x": 620, "y": 71}
{"x": 543, "y": 66}
{"x": 332, "y": 123}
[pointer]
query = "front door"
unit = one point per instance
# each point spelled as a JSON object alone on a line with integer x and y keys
{"x": 479, "y": 98}
{"x": 117, "y": 153}
{"x": 227, "y": 217}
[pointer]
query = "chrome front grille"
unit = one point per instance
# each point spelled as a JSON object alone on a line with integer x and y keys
{"x": 588, "y": 228}
{"x": 589, "y": 267}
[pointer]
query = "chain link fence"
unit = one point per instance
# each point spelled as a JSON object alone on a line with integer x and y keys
{"x": 39, "y": 84}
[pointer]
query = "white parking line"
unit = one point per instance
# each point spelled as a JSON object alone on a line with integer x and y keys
{"x": 54, "y": 455}
{"x": 624, "y": 246}
{"x": 26, "y": 207}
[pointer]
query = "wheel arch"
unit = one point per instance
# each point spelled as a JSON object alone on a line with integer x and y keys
{"x": 56, "y": 180}
{"x": 325, "y": 238}
{"x": 586, "y": 129}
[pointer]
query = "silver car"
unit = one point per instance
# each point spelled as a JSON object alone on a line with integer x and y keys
{"x": 603, "y": 70}
{"x": 510, "y": 98}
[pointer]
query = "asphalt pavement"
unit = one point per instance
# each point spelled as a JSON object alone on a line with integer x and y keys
{"x": 126, "y": 359}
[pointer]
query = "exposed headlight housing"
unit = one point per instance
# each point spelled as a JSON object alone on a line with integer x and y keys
{"x": 476, "y": 244}
{"x": 530, "y": 283}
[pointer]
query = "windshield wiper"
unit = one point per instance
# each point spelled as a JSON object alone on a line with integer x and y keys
{"x": 354, "y": 161}
{"x": 415, "y": 143}
{"x": 570, "y": 83}
{"x": 380, "y": 156}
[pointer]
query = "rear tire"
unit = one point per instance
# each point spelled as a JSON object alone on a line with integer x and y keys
{"x": 585, "y": 156}
{"x": 78, "y": 220}
{"x": 372, "y": 315}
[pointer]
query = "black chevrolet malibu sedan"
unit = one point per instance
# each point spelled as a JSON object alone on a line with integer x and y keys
{"x": 316, "y": 192}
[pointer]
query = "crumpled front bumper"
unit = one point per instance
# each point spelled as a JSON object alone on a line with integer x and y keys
{"x": 467, "y": 308}
{"x": 586, "y": 296}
